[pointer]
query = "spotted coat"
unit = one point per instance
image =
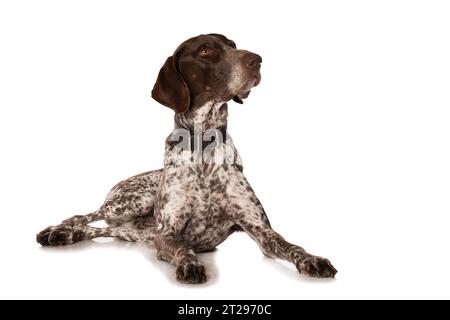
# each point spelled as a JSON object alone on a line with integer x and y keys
{"x": 199, "y": 197}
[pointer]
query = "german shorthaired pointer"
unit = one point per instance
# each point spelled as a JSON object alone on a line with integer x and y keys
{"x": 201, "y": 196}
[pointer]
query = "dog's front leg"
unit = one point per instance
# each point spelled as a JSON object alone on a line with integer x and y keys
{"x": 251, "y": 217}
{"x": 274, "y": 245}
{"x": 180, "y": 254}
{"x": 173, "y": 211}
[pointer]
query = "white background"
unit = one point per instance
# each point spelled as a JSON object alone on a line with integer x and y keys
{"x": 354, "y": 161}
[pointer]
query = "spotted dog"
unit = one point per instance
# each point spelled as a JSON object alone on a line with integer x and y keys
{"x": 201, "y": 196}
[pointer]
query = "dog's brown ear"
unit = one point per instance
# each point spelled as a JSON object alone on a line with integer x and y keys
{"x": 170, "y": 88}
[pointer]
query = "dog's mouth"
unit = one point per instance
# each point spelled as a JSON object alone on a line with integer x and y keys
{"x": 239, "y": 98}
{"x": 245, "y": 91}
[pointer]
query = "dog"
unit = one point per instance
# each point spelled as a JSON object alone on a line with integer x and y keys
{"x": 201, "y": 196}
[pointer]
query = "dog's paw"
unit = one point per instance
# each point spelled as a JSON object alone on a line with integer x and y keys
{"x": 42, "y": 237}
{"x": 61, "y": 235}
{"x": 316, "y": 267}
{"x": 191, "y": 272}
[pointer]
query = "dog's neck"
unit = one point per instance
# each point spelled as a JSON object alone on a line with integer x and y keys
{"x": 209, "y": 115}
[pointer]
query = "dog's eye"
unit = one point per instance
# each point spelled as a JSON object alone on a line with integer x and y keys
{"x": 205, "y": 51}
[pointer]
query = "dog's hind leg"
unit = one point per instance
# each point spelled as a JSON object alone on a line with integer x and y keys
{"x": 86, "y": 219}
{"x": 70, "y": 230}
{"x": 140, "y": 229}
{"x": 131, "y": 198}
{"x": 128, "y": 203}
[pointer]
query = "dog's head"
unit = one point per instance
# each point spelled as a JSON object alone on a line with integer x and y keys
{"x": 206, "y": 68}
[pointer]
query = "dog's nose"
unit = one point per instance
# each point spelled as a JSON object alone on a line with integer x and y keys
{"x": 253, "y": 60}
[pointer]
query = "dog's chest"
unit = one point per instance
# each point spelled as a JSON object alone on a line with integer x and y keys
{"x": 210, "y": 222}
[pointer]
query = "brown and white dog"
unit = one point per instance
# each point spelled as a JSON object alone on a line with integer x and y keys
{"x": 201, "y": 196}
